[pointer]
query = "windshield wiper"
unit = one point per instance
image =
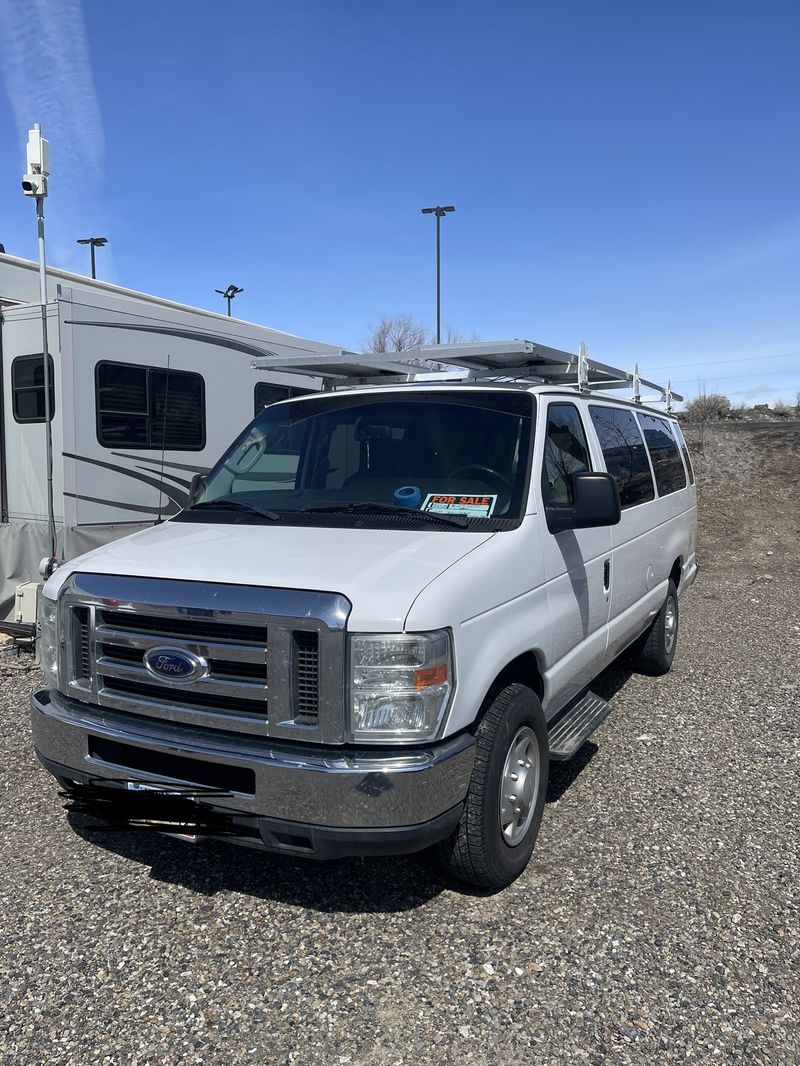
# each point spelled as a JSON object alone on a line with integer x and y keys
{"x": 235, "y": 505}
{"x": 459, "y": 521}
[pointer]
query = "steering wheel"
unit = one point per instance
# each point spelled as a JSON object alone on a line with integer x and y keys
{"x": 478, "y": 468}
{"x": 256, "y": 445}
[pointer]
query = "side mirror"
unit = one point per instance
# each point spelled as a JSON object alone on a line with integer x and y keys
{"x": 595, "y": 503}
{"x": 197, "y": 487}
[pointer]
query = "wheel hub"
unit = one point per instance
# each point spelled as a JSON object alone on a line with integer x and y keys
{"x": 670, "y": 624}
{"x": 519, "y": 786}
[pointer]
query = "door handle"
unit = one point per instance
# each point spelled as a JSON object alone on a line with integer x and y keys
{"x": 607, "y": 575}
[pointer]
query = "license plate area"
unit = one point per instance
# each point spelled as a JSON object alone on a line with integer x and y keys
{"x": 219, "y": 777}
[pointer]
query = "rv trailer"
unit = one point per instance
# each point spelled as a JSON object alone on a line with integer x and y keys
{"x": 146, "y": 393}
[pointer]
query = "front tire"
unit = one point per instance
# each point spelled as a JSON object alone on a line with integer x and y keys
{"x": 503, "y": 810}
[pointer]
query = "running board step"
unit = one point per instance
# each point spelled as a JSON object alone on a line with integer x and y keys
{"x": 577, "y": 725}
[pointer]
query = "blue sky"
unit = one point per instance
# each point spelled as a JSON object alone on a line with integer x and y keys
{"x": 623, "y": 172}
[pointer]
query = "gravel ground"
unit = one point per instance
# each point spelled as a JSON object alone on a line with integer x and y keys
{"x": 656, "y": 923}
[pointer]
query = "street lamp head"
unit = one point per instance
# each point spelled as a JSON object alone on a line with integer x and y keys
{"x": 96, "y": 242}
{"x": 440, "y": 212}
{"x": 230, "y": 292}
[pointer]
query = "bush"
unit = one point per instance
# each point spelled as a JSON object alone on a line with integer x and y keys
{"x": 782, "y": 408}
{"x": 708, "y": 407}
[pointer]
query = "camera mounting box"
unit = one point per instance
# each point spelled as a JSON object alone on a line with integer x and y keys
{"x": 38, "y": 152}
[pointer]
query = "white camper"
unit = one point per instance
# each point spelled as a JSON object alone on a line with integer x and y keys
{"x": 145, "y": 394}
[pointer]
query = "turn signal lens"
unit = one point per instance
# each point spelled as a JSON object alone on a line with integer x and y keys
{"x": 430, "y": 675}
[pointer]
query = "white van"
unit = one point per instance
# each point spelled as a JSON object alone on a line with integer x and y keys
{"x": 376, "y": 622}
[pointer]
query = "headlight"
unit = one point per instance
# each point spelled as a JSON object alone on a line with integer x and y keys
{"x": 400, "y": 684}
{"x": 47, "y": 633}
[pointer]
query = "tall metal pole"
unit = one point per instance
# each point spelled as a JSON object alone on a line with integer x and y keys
{"x": 48, "y": 414}
{"x": 438, "y": 279}
{"x": 91, "y": 246}
{"x": 440, "y": 212}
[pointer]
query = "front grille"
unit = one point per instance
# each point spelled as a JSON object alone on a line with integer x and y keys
{"x": 256, "y": 671}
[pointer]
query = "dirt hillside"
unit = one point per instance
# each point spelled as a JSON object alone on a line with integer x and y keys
{"x": 749, "y": 498}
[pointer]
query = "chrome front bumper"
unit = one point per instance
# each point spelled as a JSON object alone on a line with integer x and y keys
{"x": 332, "y": 789}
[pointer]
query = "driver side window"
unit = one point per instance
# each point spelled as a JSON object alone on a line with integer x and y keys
{"x": 565, "y": 452}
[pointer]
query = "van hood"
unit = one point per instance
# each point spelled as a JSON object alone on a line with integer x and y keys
{"x": 381, "y": 572}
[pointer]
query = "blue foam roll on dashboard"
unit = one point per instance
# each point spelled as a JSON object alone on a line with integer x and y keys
{"x": 408, "y": 496}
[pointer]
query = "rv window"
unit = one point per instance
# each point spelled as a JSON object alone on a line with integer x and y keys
{"x": 664, "y": 455}
{"x": 624, "y": 453}
{"x": 266, "y": 393}
{"x": 565, "y": 452}
{"x": 148, "y": 407}
{"x": 27, "y": 387}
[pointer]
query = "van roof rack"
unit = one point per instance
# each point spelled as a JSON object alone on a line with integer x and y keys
{"x": 517, "y": 360}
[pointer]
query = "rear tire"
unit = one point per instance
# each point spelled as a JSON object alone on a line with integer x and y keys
{"x": 655, "y": 651}
{"x": 493, "y": 841}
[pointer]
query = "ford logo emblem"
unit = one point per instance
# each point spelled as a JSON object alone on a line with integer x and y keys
{"x": 177, "y": 667}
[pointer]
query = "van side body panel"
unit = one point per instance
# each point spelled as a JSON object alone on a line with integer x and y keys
{"x": 574, "y": 562}
{"x": 498, "y": 596}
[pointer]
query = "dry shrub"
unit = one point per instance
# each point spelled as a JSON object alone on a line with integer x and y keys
{"x": 708, "y": 407}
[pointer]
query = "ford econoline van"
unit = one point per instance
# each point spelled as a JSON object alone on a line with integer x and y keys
{"x": 376, "y": 623}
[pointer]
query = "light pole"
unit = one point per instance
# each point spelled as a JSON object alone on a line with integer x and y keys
{"x": 440, "y": 212}
{"x": 228, "y": 294}
{"x": 93, "y": 242}
{"x": 34, "y": 184}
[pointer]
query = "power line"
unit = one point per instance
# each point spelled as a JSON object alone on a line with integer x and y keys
{"x": 737, "y": 359}
{"x": 724, "y": 377}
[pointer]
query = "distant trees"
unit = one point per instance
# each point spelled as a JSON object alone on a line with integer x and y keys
{"x": 402, "y": 333}
{"x": 714, "y": 407}
{"x": 398, "y": 333}
{"x": 708, "y": 407}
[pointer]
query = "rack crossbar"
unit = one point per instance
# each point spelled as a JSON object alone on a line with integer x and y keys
{"x": 517, "y": 360}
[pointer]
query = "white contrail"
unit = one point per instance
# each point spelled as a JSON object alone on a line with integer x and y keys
{"x": 44, "y": 58}
{"x": 48, "y": 76}
{"x": 46, "y": 70}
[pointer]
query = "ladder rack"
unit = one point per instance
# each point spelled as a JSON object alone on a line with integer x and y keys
{"x": 517, "y": 360}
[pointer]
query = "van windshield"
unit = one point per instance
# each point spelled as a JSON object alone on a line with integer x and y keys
{"x": 421, "y": 459}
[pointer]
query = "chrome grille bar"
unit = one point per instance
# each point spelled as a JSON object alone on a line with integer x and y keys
{"x": 229, "y": 688}
{"x": 129, "y": 638}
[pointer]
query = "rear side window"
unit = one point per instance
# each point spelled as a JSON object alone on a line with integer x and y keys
{"x": 147, "y": 407}
{"x": 685, "y": 449}
{"x": 27, "y": 388}
{"x": 624, "y": 453}
{"x": 266, "y": 393}
{"x": 664, "y": 455}
{"x": 565, "y": 452}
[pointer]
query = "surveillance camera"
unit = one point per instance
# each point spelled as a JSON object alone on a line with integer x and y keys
{"x": 34, "y": 185}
